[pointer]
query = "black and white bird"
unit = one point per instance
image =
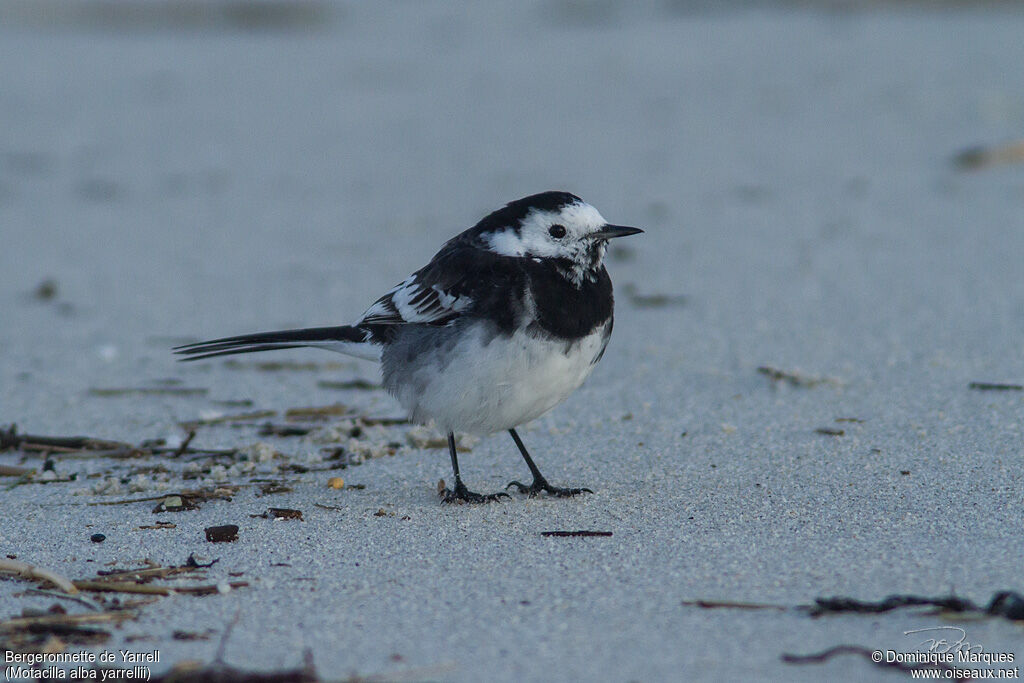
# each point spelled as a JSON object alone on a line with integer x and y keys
{"x": 505, "y": 322}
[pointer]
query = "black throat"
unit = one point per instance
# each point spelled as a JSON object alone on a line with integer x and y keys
{"x": 566, "y": 308}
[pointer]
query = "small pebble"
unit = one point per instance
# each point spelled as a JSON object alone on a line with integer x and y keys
{"x": 336, "y": 483}
{"x": 222, "y": 534}
{"x": 97, "y": 538}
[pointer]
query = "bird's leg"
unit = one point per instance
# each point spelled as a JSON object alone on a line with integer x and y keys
{"x": 539, "y": 482}
{"x": 460, "y": 494}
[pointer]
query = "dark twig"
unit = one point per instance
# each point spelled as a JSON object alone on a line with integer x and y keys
{"x": 81, "y": 599}
{"x": 271, "y": 429}
{"x": 219, "y": 658}
{"x": 865, "y": 653}
{"x": 793, "y": 378}
{"x": 384, "y": 421}
{"x": 1006, "y": 604}
{"x": 9, "y": 438}
{"x": 995, "y": 386}
{"x": 729, "y": 604}
{"x": 180, "y": 450}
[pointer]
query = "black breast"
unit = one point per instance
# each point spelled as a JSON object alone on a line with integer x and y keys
{"x": 566, "y": 310}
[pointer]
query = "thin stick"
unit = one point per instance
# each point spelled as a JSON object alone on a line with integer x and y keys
{"x": 129, "y": 587}
{"x": 730, "y": 604}
{"x": 63, "y": 620}
{"x": 121, "y": 587}
{"x": 184, "y": 444}
{"x": 151, "y": 573}
{"x": 191, "y": 494}
{"x": 81, "y": 599}
{"x": 219, "y": 659}
{"x": 134, "y": 500}
{"x": 75, "y": 443}
{"x": 29, "y": 571}
{"x": 209, "y": 589}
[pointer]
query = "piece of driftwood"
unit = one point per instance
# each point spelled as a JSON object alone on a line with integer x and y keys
{"x": 28, "y": 571}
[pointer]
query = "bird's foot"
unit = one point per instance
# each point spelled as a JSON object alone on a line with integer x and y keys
{"x": 540, "y": 484}
{"x": 460, "y": 494}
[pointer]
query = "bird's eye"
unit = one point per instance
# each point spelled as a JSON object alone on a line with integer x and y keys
{"x": 557, "y": 231}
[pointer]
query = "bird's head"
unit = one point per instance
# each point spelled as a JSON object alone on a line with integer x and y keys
{"x": 555, "y": 226}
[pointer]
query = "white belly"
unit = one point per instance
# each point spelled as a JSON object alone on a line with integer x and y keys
{"x": 488, "y": 383}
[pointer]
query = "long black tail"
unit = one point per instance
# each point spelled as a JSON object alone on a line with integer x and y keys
{"x": 347, "y": 339}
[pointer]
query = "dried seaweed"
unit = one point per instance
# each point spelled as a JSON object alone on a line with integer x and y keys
{"x": 1007, "y": 604}
{"x": 280, "y": 513}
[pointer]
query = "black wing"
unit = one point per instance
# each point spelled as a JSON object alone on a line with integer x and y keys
{"x": 461, "y": 279}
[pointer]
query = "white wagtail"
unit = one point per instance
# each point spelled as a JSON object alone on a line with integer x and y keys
{"x": 502, "y": 325}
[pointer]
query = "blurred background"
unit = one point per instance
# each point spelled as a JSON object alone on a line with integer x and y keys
{"x": 183, "y": 169}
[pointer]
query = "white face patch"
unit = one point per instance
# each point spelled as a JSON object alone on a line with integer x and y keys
{"x": 534, "y": 239}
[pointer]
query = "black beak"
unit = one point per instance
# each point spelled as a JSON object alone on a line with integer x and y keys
{"x": 610, "y": 231}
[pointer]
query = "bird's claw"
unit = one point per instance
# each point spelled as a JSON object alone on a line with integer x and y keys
{"x": 460, "y": 494}
{"x": 542, "y": 485}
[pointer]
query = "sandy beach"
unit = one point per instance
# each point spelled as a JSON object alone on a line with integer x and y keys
{"x": 813, "y": 388}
